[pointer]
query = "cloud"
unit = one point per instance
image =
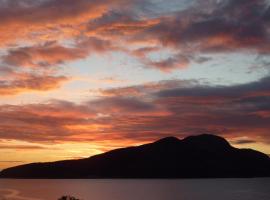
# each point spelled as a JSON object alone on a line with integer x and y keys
{"x": 223, "y": 27}
{"x": 153, "y": 111}
{"x": 62, "y": 120}
{"x": 147, "y": 88}
{"x": 244, "y": 141}
{"x": 42, "y": 63}
{"x": 119, "y": 23}
{"x": 42, "y": 56}
{"x": 249, "y": 89}
{"x": 123, "y": 105}
{"x": 85, "y": 27}
{"x": 29, "y": 82}
{"x": 52, "y": 54}
{"x": 34, "y": 46}
{"x": 49, "y": 18}
{"x": 169, "y": 64}
{"x": 22, "y": 147}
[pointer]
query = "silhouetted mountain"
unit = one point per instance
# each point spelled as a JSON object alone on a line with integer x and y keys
{"x": 202, "y": 156}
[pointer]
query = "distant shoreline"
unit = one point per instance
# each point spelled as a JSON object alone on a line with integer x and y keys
{"x": 207, "y": 178}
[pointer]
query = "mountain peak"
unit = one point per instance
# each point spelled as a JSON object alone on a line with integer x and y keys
{"x": 208, "y": 140}
{"x": 202, "y": 141}
{"x": 168, "y": 140}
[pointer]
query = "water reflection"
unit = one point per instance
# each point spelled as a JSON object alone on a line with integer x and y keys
{"x": 185, "y": 189}
{"x": 12, "y": 194}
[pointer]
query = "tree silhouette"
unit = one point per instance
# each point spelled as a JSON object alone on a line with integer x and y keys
{"x": 68, "y": 198}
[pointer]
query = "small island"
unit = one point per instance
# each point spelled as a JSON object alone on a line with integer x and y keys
{"x": 201, "y": 156}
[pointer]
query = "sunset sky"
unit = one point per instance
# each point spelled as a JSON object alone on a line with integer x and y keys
{"x": 80, "y": 77}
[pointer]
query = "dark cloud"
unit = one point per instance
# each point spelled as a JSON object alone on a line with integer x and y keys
{"x": 227, "y": 26}
{"x": 123, "y": 105}
{"x": 253, "y": 88}
{"x": 244, "y": 141}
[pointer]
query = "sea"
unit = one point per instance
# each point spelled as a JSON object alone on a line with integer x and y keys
{"x": 136, "y": 189}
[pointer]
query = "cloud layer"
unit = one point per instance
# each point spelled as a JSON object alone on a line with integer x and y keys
{"x": 84, "y": 27}
{"x": 147, "y": 114}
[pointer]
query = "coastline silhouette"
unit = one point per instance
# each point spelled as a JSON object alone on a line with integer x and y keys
{"x": 201, "y": 156}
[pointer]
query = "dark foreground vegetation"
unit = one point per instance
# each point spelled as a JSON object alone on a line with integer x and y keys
{"x": 68, "y": 198}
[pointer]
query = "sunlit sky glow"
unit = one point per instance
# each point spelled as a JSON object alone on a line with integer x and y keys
{"x": 78, "y": 78}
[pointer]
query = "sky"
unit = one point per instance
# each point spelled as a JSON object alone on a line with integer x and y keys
{"x": 78, "y": 78}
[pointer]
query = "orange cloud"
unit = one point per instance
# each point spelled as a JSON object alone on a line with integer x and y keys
{"x": 43, "y": 20}
{"x": 51, "y": 54}
{"x": 22, "y": 147}
{"x": 28, "y": 83}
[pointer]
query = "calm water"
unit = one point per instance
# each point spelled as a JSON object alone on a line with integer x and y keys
{"x": 203, "y": 189}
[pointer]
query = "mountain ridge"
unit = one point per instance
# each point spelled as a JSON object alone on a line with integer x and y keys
{"x": 201, "y": 156}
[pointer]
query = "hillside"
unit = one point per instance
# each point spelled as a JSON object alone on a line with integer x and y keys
{"x": 202, "y": 156}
